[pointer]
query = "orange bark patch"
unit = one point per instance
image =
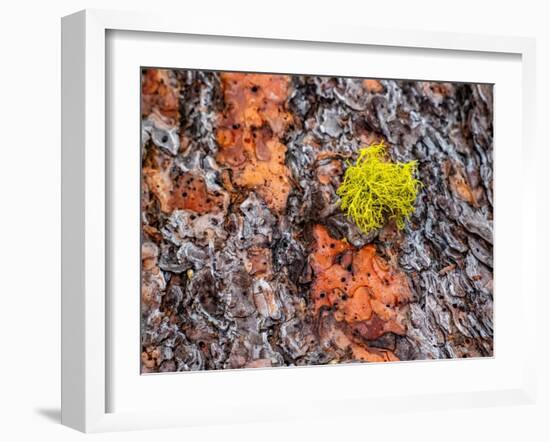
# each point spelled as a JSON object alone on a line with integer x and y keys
{"x": 373, "y": 86}
{"x": 459, "y": 184}
{"x": 159, "y": 93}
{"x": 189, "y": 193}
{"x": 462, "y": 189}
{"x": 437, "y": 89}
{"x": 365, "y": 293}
{"x": 250, "y": 131}
{"x": 160, "y": 184}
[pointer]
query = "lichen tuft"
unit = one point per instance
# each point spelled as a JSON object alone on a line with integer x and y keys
{"x": 375, "y": 190}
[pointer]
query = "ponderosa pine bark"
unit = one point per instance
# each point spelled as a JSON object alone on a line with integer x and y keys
{"x": 247, "y": 258}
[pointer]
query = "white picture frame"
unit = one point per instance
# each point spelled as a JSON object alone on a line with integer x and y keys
{"x": 86, "y": 353}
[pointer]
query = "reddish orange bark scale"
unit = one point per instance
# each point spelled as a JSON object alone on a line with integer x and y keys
{"x": 364, "y": 292}
{"x": 159, "y": 94}
{"x": 249, "y": 134}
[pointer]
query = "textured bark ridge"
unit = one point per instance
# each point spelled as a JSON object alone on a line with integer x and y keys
{"x": 247, "y": 259}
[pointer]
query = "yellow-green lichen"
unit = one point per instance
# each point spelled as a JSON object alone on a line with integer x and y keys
{"x": 374, "y": 189}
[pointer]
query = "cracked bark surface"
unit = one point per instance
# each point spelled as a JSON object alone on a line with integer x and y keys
{"x": 247, "y": 260}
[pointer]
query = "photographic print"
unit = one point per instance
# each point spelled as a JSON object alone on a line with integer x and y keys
{"x": 298, "y": 220}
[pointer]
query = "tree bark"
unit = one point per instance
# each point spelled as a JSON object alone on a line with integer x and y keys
{"x": 247, "y": 258}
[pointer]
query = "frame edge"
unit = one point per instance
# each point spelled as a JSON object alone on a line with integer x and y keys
{"x": 83, "y": 166}
{"x": 73, "y": 80}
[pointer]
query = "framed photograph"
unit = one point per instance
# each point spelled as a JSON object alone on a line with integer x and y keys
{"x": 262, "y": 223}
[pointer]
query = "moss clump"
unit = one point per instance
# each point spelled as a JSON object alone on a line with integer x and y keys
{"x": 374, "y": 189}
